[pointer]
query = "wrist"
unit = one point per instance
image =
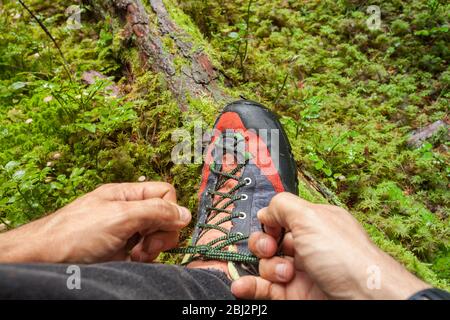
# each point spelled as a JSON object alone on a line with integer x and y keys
{"x": 10, "y": 250}
{"x": 395, "y": 281}
{"x": 20, "y": 246}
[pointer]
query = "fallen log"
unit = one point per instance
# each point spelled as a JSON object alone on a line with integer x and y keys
{"x": 421, "y": 135}
{"x": 197, "y": 76}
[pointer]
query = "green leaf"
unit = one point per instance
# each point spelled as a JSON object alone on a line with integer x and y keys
{"x": 92, "y": 128}
{"x": 76, "y": 172}
{"x": 427, "y": 146}
{"x": 11, "y": 165}
{"x": 318, "y": 165}
{"x": 17, "y": 85}
{"x": 233, "y": 35}
{"x": 427, "y": 155}
{"x": 18, "y": 175}
{"x": 327, "y": 171}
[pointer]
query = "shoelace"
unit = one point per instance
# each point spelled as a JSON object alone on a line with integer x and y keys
{"x": 213, "y": 249}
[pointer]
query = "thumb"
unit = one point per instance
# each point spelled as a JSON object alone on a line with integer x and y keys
{"x": 285, "y": 211}
{"x": 147, "y": 216}
{"x": 256, "y": 288}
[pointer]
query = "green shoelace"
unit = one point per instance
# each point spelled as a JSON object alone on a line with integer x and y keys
{"x": 213, "y": 249}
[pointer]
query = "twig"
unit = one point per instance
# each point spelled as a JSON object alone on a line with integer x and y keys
{"x": 26, "y": 201}
{"x": 281, "y": 89}
{"x": 247, "y": 23}
{"x": 47, "y": 32}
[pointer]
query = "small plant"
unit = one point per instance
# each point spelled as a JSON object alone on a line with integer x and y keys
{"x": 241, "y": 41}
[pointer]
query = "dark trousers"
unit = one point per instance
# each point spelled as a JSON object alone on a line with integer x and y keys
{"x": 112, "y": 280}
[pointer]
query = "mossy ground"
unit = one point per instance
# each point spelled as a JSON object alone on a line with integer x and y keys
{"x": 348, "y": 97}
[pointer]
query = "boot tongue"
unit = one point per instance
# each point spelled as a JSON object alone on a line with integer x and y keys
{"x": 230, "y": 143}
{"x": 225, "y": 160}
{"x": 228, "y": 153}
{"x": 228, "y": 164}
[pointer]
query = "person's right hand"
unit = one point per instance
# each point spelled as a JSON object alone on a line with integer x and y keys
{"x": 327, "y": 255}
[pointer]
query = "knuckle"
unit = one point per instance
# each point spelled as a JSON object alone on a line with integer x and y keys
{"x": 324, "y": 208}
{"x": 311, "y": 214}
{"x": 121, "y": 211}
{"x": 120, "y": 207}
{"x": 280, "y": 199}
{"x": 159, "y": 205}
{"x": 168, "y": 187}
{"x": 328, "y": 208}
{"x": 105, "y": 187}
{"x": 164, "y": 209}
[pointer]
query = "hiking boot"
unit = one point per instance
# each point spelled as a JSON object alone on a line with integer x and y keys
{"x": 247, "y": 162}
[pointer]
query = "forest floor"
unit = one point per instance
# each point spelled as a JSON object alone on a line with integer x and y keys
{"x": 349, "y": 98}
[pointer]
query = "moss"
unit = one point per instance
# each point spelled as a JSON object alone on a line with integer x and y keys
{"x": 194, "y": 35}
{"x": 352, "y": 140}
{"x": 306, "y": 192}
{"x": 169, "y": 45}
{"x": 348, "y": 99}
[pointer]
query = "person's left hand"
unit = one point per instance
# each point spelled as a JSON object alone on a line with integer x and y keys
{"x": 114, "y": 222}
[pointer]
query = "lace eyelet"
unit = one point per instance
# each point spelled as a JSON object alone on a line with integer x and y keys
{"x": 244, "y": 197}
{"x": 242, "y": 215}
{"x": 248, "y": 181}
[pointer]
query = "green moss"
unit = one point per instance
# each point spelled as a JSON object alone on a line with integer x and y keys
{"x": 169, "y": 45}
{"x": 194, "y": 35}
{"x": 348, "y": 98}
{"x": 310, "y": 194}
{"x": 349, "y": 101}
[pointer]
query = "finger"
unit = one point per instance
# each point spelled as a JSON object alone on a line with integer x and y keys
{"x": 262, "y": 245}
{"x": 250, "y": 287}
{"x": 277, "y": 269}
{"x": 160, "y": 241}
{"x": 150, "y": 215}
{"x": 287, "y": 246}
{"x": 153, "y": 244}
{"x": 139, "y": 255}
{"x": 274, "y": 231}
{"x": 136, "y": 191}
{"x": 286, "y": 211}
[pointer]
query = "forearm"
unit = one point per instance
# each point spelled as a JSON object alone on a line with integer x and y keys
{"x": 22, "y": 245}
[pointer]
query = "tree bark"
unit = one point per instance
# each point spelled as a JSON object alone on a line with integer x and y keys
{"x": 197, "y": 77}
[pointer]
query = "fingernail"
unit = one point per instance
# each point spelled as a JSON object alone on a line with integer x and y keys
{"x": 155, "y": 245}
{"x": 280, "y": 271}
{"x": 262, "y": 245}
{"x": 185, "y": 214}
{"x": 258, "y": 214}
